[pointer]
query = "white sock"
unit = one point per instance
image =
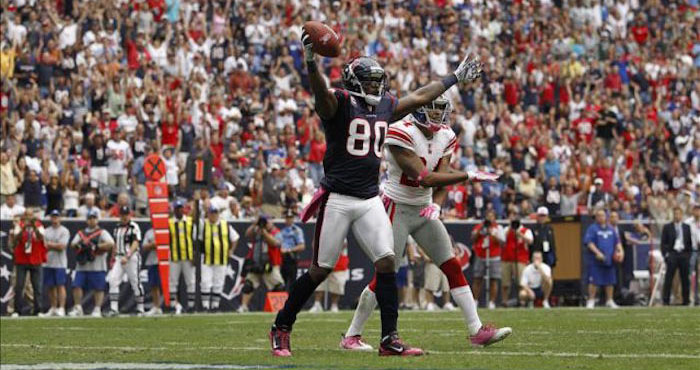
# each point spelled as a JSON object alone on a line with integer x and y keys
{"x": 465, "y": 300}
{"x": 114, "y": 302}
{"x": 139, "y": 303}
{"x": 205, "y": 300}
{"x": 173, "y": 298}
{"x": 365, "y": 306}
{"x": 190, "y": 299}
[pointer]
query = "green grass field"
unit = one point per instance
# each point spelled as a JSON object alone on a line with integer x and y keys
{"x": 659, "y": 338}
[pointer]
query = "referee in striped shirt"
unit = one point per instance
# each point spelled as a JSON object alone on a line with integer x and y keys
{"x": 127, "y": 237}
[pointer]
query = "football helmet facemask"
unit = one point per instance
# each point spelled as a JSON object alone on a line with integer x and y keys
{"x": 433, "y": 114}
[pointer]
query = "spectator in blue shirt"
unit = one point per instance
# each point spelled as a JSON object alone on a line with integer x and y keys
{"x": 493, "y": 192}
{"x": 552, "y": 167}
{"x": 291, "y": 239}
{"x": 602, "y": 242}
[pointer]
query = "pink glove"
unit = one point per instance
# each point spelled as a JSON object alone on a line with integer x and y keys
{"x": 482, "y": 176}
{"x": 431, "y": 212}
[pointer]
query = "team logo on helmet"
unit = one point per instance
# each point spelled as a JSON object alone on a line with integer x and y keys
{"x": 365, "y": 78}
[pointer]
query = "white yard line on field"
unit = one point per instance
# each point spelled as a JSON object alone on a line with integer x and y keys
{"x": 471, "y": 352}
{"x": 129, "y": 366}
{"x": 130, "y": 348}
{"x": 572, "y": 354}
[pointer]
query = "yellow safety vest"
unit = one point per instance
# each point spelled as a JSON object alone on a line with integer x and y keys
{"x": 216, "y": 243}
{"x": 181, "y": 240}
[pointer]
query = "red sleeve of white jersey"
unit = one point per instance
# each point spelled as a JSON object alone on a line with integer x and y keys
{"x": 396, "y": 136}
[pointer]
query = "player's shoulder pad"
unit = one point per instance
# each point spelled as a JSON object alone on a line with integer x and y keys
{"x": 447, "y": 131}
{"x": 405, "y": 126}
{"x": 448, "y": 138}
{"x": 393, "y": 99}
{"x": 400, "y": 133}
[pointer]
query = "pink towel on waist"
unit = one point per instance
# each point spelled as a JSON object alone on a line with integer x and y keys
{"x": 314, "y": 205}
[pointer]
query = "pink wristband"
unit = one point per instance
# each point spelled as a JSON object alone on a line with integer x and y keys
{"x": 422, "y": 174}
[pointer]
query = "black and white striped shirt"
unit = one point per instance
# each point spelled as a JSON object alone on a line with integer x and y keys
{"x": 124, "y": 235}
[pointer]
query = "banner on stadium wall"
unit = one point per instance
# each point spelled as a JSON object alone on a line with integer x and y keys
{"x": 361, "y": 268}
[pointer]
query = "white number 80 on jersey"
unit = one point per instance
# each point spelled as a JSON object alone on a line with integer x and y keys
{"x": 359, "y": 131}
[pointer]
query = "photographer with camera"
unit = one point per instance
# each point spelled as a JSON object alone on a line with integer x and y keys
{"x": 262, "y": 264}
{"x": 29, "y": 254}
{"x": 92, "y": 245}
{"x": 487, "y": 238}
{"x": 515, "y": 256}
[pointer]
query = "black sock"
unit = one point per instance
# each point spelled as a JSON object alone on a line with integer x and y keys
{"x": 300, "y": 292}
{"x": 388, "y": 299}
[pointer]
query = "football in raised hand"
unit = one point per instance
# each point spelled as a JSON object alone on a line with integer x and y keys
{"x": 325, "y": 41}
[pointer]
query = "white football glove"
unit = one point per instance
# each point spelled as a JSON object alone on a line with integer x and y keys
{"x": 308, "y": 45}
{"x": 431, "y": 212}
{"x": 482, "y": 176}
{"x": 469, "y": 69}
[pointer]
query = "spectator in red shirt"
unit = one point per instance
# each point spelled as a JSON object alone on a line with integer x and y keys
{"x": 29, "y": 254}
{"x": 547, "y": 95}
{"x": 136, "y": 53}
{"x": 511, "y": 91}
{"x": 305, "y": 127}
{"x": 613, "y": 81}
{"x": 515, "y": 254}
{"x": 316, "y": 153}
{"x": 217, "y": 148}
{"x": 606, "y": 172}
{"x": 457, "y": 200}
{"x": 122, "y": 201}
{"x": 169, "y": 131}
{"x": 157, "y": 7}
{"x": 583, "y": 127}
{"x": 263, "y": 261}
{"x": 640, "y": 31}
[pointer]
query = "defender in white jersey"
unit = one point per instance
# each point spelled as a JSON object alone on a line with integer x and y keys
{"x": 418, "y": 152}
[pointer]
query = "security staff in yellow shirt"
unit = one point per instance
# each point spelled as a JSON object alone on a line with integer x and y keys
{"x": 218, "y": 243}
{"x": 181, "y": 257}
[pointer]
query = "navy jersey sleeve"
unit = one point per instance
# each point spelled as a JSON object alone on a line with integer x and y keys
{"x": 394, "y": 103}
{"x": 341, "y": 114}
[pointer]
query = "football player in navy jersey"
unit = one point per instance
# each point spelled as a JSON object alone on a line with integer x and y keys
{"x": 355, "y": 120}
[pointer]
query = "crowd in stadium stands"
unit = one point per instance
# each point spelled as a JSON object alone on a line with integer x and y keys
{"x": 582, "y": 103}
